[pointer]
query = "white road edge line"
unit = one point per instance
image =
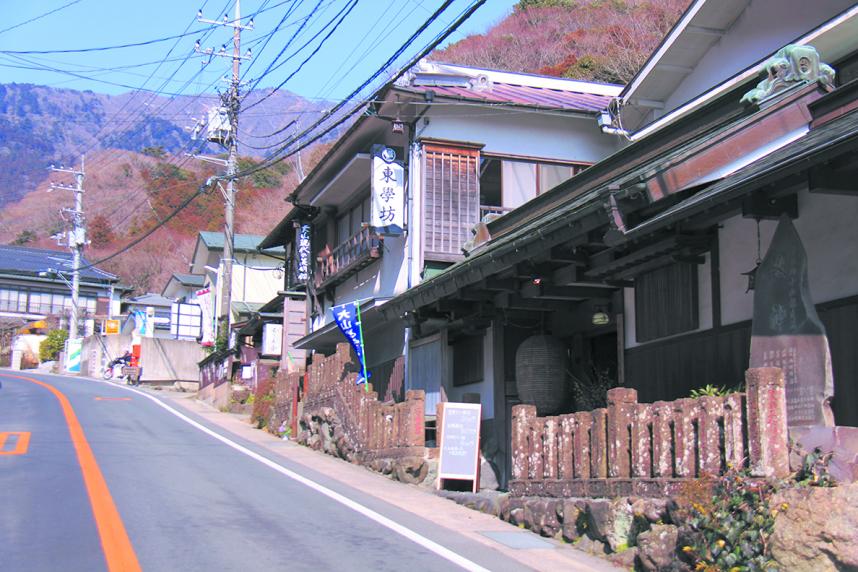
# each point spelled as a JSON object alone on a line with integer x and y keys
{"x": 415, "y": 537}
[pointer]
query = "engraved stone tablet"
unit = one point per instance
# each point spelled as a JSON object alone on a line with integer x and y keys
{"x": 787, "y": 332}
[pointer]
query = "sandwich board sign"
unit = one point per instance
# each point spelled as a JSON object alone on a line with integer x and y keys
{"x": 459, "y": 457}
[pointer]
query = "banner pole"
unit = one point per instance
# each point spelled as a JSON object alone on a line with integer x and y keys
{"x": 363, "y": 348}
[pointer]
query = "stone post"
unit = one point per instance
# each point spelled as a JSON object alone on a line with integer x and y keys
{"x": 550, "y": 448}
{"x": 662, "y": 439}
{"x": 566, "y": 467}
{"x": 416, "y": 431}
{"x": 599, "y": 444}
{"x": 622, "y": 402}
{"x": 581, "y": 442}
{"x": 522, "y": 419}
{"x": 642, "y": 441}
{"x": 767, "y": 422}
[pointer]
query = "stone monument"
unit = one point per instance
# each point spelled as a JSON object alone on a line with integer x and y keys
{"x": 787, "y": 332}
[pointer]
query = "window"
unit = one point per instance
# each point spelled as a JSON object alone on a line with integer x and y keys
{"x": 40, "y": 302}
{"x": 509, "y": 183}
{"x": 468, "y": 360}
{"x": 450, "y": 200}
{"x": 13, "y": 300}
{"x": 666, "y": 301}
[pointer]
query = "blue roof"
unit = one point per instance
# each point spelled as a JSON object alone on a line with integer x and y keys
{"x": 28, "y": 261}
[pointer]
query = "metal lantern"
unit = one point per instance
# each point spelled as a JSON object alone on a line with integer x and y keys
{"x": 541, "y": 364}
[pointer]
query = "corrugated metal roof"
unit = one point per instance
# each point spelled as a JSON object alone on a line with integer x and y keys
{"x": 243, "y": 242}
{"x": 189, "y": 279}
{"x": 32, "y": 261}
{"x": 520, "y": 95}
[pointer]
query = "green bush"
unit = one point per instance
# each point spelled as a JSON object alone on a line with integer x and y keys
{"x": 51, "y": 346}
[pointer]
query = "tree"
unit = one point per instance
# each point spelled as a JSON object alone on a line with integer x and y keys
{"x": 24, "y": 237}
{"x": 51, "y": 346}
{"x": 101, "y": 231}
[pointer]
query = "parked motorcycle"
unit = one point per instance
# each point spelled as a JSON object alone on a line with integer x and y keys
{"x": 123, "y": 360}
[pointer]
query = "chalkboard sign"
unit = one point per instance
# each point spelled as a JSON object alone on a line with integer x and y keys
{"x": 460, "y": 443}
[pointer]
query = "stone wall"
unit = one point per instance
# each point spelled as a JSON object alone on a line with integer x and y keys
{"x": 632, "y": 448}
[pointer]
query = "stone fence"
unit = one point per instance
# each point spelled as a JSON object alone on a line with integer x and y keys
{"x": 643, "y": 449}
{"x": 348, "y": 419}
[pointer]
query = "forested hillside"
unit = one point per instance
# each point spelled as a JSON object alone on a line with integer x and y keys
{"x": 601, "y": 40}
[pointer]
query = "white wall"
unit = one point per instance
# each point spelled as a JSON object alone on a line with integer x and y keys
{"x": 523, "y": 133}
{"x": 828, "y": 227}
{"x": 485, "y": 388}
{"x": 762, "y": 29}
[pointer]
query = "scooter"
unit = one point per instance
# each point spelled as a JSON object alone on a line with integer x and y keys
{"x": 108, "y": 372}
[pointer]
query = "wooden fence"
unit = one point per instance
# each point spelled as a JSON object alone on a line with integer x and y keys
{"x": 374, "y": 428}
{"x": 632, "y": 448}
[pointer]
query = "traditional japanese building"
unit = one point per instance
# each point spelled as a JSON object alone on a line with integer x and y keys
{"x": 727, "y": 216}
{"x": 395, "y": 200}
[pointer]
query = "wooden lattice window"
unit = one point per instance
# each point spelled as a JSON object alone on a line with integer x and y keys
{"x": 451, "y": 199}
{"x": 666, "y": 301}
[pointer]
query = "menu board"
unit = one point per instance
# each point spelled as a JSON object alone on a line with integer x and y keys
{"x": 460, "y": 443}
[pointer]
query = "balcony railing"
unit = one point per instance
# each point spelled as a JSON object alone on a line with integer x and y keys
{"x": 355, "y": 253}
{"x": 492, "y": 210}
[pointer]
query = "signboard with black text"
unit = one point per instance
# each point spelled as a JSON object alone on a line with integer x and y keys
{"x": 388, "y": 192}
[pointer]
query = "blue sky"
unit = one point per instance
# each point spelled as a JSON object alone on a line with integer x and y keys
{"x": 367, "y": 36}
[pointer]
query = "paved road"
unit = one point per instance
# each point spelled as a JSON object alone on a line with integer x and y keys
{"x": 134, "y": 484}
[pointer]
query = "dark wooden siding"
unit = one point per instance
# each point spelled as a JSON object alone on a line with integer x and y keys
{"x": 451, "y": 200}
{"x": 670, "y": 369}
{"x": 468, "y": 360}
{"x": 666, "y": 301}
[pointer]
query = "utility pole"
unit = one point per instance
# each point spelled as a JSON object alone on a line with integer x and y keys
{"x": 230, "y": 141}
{"x": 76, "y": 237}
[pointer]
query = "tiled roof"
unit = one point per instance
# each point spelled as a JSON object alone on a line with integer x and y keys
{"x": 523, "y": 95}
{"x": 243, "y": 242}
{"x": 32, "y": 261}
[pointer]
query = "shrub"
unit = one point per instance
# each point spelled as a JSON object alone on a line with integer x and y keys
{"x": 263, "y": 398}
{"x": 712, "y": 391}
{"x": 51, "y": 346}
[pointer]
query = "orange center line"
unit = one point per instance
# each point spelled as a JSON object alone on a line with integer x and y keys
{"x": 117, "y": 548}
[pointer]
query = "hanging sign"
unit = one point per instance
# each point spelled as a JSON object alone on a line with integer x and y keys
{"x": 347, "y": 317}
{"x": 272, "y": 339}
{"x": 459, "y": 456}
{"x": 302, "y": 253}
{"x": 388, "y": 192}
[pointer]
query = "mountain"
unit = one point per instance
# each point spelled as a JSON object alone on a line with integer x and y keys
{"x": 40, "y": 126}
{"x": 597, "y": 40}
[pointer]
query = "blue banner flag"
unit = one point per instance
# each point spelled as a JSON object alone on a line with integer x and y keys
{"x": 347, "y": 317}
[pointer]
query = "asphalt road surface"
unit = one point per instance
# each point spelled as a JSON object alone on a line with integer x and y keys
{"x": 95, "y": 476}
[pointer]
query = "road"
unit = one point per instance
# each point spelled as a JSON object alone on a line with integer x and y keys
{"x": 95, "y": 476}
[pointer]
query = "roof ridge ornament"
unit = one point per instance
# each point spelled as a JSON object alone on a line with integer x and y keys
{"x": 792, "y": 65}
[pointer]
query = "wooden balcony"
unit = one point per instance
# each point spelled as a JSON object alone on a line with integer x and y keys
{"x": 357, "y": 252}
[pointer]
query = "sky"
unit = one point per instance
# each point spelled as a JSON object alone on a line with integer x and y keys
{"x": 368, "y": 33}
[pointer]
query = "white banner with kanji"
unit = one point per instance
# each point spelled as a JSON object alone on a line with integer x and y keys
{"x": 388, "y": 192}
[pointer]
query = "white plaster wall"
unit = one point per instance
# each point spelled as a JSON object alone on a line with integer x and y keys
{"x": 485, "y": 388}
{"x": 512, "y": 132}
{"x": 828, "y": 227}
{"x": 762, "y": 29}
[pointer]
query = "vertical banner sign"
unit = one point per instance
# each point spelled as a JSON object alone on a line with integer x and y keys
{"x": 388, "y": 192}
{"x": 73, "y": 351}
{"x": 204, "y": 299}
{"x": 302, "y": 253}
{"x": 347, "y": 317}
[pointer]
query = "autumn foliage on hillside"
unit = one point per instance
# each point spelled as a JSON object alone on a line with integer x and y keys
{"x": 599, "y": 40}
{"x": 129, "y": 194}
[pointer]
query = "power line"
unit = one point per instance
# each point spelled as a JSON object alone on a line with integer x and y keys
{"x": 274, "y": 157}
{"x": 72, "y": 3}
